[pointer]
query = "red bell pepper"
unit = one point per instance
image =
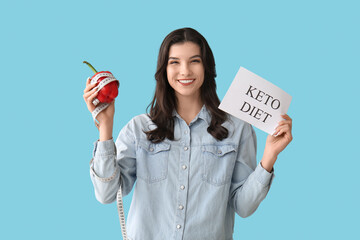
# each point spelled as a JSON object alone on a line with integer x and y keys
{"x": 110, "y": 91}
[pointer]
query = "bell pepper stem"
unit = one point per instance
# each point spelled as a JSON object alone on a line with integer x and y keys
{"x": 90, "y": 66}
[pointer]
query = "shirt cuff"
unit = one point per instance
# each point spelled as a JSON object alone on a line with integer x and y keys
{"x": 263, "y": 176}
{"x": 104, "y": 148}
{"x": 102, "y": 179}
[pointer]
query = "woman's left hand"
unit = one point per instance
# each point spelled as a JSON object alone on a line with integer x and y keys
{"x": 281, "y": 138}
{"x": 277, "y": 142}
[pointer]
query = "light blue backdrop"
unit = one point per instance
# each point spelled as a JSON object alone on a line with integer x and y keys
{"x": 308, "y": 48}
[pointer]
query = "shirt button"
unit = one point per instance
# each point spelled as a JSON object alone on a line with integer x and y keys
{"x": 184, "y": 167}
{"x": 186, "y": 132}
{"x": 178, "y": 226}
{"x": 219, "y": 152}
{"x": 182, "y": 187}
{"x": 151, "y": 149}
{"x": 186, "y": 148}
{"x": 181, "y": 207}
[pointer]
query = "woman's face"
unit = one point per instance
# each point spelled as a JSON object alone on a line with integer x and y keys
{"x": 185, "y": 69}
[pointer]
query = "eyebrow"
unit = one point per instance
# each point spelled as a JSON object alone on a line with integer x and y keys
{"x": 195, "y": 56}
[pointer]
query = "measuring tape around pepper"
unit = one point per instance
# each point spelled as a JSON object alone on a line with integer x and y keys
{"x": 100, "y": 106}
{"x": 105, "y": 78}
{"x": 104, "y": 98}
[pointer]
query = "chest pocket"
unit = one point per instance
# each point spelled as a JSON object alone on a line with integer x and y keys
{"x": 218, "y": 163}
{"x": 152, "y": 161}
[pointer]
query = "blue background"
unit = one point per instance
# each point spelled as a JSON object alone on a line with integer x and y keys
{"x": 308, "y": 48}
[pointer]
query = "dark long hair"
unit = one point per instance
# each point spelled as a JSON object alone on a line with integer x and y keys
{"x": 164, "y": 101}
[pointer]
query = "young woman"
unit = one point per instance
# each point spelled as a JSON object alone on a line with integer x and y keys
{"x": 194, "y": 165}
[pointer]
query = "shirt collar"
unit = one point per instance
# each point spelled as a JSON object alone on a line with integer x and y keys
{"x": 204, "y": 114}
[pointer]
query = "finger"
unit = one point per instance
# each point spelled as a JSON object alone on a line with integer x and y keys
{"x": 287, "y": 120}
{"x": 91, "y": 98}
{"x": 280, "y": 129}
{"x": 278, "y": 133}
{"x": 283, "y": 126}
{"x": 90, "y": 87}
{"x": 283, "y": 122}
{"x": 286, "y": 117}
{"x": 87, "y": 94}
{"x": 286, "y": 131}
{"x": 88, "y": 81}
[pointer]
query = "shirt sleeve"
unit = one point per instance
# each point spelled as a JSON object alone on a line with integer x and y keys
{"x": 114, "y": 164}
{"x": 250, "y": 181}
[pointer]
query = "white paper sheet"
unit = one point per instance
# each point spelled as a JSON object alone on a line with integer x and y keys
{"x": 256, "y": 101}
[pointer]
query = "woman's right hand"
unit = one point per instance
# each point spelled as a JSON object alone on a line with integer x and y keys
{"x": 106, "y": 116}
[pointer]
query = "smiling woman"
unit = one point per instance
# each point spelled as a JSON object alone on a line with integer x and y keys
{"x": 185, "y": 72}
{"x": 194, "y": 165}
{"x": 184, "y": 56}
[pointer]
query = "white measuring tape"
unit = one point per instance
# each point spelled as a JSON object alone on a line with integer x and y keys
{"x": 119, "y": 201}
{"x": 101, "y": 106}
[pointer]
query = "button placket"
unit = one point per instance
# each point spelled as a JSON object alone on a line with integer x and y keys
{"x": 183, "y": 181}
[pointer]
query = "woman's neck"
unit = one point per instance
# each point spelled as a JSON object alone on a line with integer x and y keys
{"x": 188, "y": 108}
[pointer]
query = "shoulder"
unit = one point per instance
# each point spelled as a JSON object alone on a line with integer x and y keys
{"x": 235, "y": 123}
{"x": 137, "y": 125}
{"x": 238, "y": 128}
{"x": 139, "y": 119}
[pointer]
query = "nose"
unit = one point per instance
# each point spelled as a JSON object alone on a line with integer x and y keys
{"x": 185, "y": 70}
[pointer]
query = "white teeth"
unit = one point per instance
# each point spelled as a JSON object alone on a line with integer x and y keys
{"x": 186, "y": 81}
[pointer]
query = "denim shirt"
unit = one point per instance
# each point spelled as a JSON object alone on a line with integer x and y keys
{"x": 188, "y": 188}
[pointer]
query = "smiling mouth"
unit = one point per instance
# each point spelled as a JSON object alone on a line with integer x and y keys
{"x": 186, "y": 81}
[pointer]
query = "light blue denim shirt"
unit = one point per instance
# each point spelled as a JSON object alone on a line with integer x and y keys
{"x": 189, "y": 188}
